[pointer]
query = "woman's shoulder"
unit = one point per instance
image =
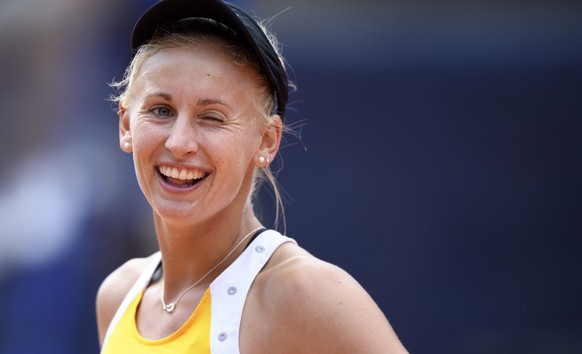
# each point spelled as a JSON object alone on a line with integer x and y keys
{"x": 122, "y": 278}
{"x": 322, "y": 304}
{"x": 114, "y": 289}
{"x": 293, "y": 266}
{"x": 295, "y": 275}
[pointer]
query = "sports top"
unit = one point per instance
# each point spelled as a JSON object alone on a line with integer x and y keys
{"x": 214, "y": 325}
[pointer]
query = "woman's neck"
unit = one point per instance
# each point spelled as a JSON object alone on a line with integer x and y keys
{"x": 190, "y": 251}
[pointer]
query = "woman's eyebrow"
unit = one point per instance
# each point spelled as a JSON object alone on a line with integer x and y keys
{"x": 207, "y": 101}
{"x": 163, "y": 95}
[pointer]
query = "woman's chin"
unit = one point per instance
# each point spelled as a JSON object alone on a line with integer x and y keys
{"x": 181, "y": 212}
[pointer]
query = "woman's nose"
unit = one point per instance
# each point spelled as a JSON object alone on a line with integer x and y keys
{"x": 182, "y": 139}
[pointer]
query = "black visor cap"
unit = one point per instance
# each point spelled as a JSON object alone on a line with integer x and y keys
{"x": 169, "y": 11}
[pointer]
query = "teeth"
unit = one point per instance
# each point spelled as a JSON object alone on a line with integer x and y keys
{"x": 181, "y": 174}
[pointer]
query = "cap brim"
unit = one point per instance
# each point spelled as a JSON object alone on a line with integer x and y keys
{"x": 169, "y": 11}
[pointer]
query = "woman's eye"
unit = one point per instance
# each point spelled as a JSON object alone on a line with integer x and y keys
{"x": 161, "y": 111}
{"x": 214, "y": 118}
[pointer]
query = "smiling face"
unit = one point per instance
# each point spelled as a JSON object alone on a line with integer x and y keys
{"x": 195, "y": 132}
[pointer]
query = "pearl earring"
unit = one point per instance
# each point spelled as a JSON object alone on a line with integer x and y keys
{"x": 126, "y": 145}
{"x": 262, "y": 160}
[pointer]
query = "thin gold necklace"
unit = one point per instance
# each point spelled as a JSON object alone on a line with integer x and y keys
{"x": 169, "y": 308}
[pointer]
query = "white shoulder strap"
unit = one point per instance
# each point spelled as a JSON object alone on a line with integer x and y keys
{"x": 229, "y": 291}
{"x": 137, "y": 287}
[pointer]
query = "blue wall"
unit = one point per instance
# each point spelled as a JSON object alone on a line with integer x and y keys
{"x": 439, "y": 163}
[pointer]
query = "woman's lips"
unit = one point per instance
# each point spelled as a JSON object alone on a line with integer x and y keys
{"x": 183, "y": 177}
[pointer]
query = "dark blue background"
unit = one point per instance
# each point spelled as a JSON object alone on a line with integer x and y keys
{"x": 439, "y": 163}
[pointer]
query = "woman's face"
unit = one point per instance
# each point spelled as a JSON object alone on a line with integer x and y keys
{"x": 193, "y": 126}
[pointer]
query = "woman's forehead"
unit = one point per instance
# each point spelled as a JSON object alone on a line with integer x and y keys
{"x": 195, "y": 58}
{"x": 196, "y": 69}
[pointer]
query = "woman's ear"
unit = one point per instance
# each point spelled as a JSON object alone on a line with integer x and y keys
{"x": 271, "y": 139}
{"x": 124, "y": 129}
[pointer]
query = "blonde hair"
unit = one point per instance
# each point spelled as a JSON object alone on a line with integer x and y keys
{"x": 215, "y": 34}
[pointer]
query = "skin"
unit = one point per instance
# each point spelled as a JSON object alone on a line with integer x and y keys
{"x": 193, "y": 108}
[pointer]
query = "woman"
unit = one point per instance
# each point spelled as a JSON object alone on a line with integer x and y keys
{"x": 201, "y": 110}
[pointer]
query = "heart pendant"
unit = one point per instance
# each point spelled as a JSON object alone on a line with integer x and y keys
{"x": 169, "y": 307}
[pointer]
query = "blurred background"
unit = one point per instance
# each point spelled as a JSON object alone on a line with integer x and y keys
{"x": 440, "y": 163}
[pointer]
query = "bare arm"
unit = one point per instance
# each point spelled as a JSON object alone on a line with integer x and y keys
{"x": 113, "y": 290}
{"x": 319, "y": 308}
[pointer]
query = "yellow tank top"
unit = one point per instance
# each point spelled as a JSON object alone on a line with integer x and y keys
{"x": 192, "y": 337}
{"x": 215, "y": 324}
